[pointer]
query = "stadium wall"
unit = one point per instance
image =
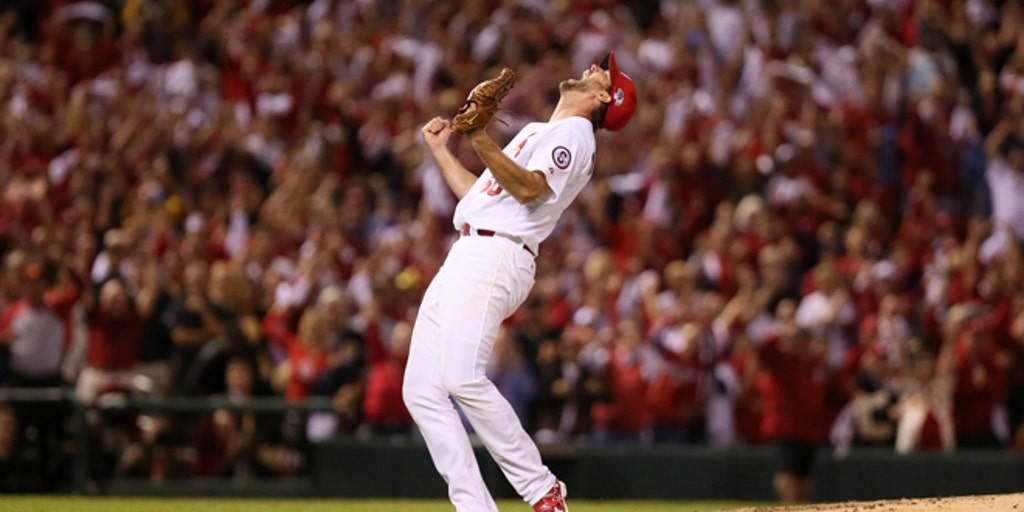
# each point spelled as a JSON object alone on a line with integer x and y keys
{"x": 353, "y": 468}
{"x": 399, "y": 467}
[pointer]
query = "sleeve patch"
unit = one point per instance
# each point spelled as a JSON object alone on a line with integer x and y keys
{"x": 561, "y": 156}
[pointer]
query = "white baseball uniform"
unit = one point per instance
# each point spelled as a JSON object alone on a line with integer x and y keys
{"x": 487, "y": 275}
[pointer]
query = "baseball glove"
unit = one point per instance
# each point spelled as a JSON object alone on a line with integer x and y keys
{"x": 482, "y": 103}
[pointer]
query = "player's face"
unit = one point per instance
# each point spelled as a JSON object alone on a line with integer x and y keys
{"x": 593, "y": 78}
{"x": 595, "y": 72}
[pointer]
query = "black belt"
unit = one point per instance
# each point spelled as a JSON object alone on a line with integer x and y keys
{"x": 469, "y": 230}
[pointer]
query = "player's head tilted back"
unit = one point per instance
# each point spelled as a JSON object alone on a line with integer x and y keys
{"x": 611, "y": 93}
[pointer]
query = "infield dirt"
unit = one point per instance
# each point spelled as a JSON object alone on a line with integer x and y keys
{"x": 982, "y": 503}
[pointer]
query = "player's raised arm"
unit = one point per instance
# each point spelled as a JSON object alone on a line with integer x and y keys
{"x": 524, "y": 185}
{"x": 458, "y": 178}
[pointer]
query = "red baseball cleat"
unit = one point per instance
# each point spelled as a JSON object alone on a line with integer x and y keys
{"x": 553, "y": 501}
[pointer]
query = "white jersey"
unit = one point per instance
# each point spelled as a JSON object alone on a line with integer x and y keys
{"x": 564, "y": 151}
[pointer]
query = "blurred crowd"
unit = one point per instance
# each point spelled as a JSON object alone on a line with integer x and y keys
{"x": 812, "y": 229}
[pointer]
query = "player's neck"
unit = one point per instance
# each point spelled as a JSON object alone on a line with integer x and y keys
{"x": 570, "y": 106}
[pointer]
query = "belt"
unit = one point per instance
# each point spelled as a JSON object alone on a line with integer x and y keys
{"x": 469, "y": 230}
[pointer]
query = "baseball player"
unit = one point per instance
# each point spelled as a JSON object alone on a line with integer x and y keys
{"x": 502, "y": 217}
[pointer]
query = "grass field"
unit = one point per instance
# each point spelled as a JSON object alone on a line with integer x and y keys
{"x": 108, "y": 504}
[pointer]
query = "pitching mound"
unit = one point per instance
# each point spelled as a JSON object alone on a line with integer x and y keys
{"x": 986, "y": 503}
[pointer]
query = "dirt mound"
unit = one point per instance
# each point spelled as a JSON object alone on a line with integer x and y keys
{"x": 983, "y": 503}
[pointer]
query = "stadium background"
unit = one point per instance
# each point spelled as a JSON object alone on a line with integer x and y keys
{"x": 229, "y": 199}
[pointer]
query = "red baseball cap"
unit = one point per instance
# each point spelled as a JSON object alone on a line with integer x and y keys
{"x": 623, "y": 104}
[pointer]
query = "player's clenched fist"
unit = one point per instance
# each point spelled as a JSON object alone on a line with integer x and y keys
{"x": 436, "y": 132}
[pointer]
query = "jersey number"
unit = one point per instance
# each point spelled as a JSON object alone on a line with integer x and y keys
{"x": 492, "y": 188}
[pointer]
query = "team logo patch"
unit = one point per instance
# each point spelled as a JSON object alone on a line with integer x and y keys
{"x": 561, "y": 156}
{"x": 619, "y": 96}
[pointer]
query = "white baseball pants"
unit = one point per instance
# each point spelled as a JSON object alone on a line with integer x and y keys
{"x": 482, "y": 282}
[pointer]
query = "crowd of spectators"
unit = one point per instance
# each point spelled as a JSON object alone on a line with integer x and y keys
{"x": 811, "y": 230}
